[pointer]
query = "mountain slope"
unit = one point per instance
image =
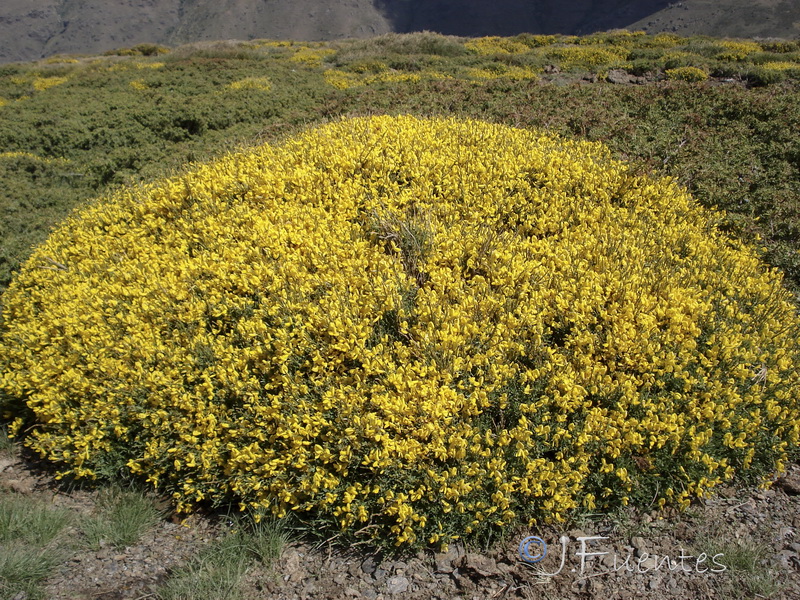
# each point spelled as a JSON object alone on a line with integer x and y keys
{"x": 32, "y": 29}
{"x": 754, "y": 18}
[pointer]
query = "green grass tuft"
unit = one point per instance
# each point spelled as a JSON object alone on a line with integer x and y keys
{"x": 125, "y": 516}
{"x": 217, "y": 572}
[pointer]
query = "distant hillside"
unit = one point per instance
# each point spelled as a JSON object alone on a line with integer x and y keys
{"x": 32, "y": 29}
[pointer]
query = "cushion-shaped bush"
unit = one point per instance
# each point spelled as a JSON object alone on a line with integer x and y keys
{"x": 690, "y": 74}
{"x": 405, "y": 328}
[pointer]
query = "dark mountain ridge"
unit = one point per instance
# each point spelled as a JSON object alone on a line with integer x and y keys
{"x": 33, "y": 29}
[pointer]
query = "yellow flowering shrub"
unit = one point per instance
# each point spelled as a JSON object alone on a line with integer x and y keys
{"x": 139, "y": 85}
{"x": 42, "y": 83}
{"x": 691, "y": 74}
{"x": 412, "y": 329}
{"x": 55, "y": 60}
{"x": 501, "y": 71}
{"x": 271, "y": 43}
{"x": 780, "y": 66}
{"x": 586, "y": 57}
{"x": 536, "y": 40}
{"x": 341, "y": 80}
{"x": 252, "y": 83}
{"x": 311, "y": 57}
{"x": 678, "y": 58}
{"x": 496, "y": 45}
{"x": 3, "y": 102}
{"x": 663, "y": 40}
{"x": 737, "y": 49}
{"x": 345, "y": 79}
{"x": 31, "y": 157}
{"x": 126, "y": 65}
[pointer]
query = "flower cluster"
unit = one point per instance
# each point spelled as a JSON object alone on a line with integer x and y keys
{"x": 413, "y": 329}
{"x": 686, "y": 74}
{"x": 347, "y": 79}
{"x": 501, "y": 71}
{"x": 737, "y": 50}
{"x": 781, "y": 66}
{"x": 42, "y": 83}
{"x": 586, "y": 57}
{"x": 61, "y": 60}
{"x": 312, "y": 57}
{"x": 252, "y": 83}
{"x": 496, "y": 45}
{"x": 139, "y": 85}
{"x": 138, "y": 65}
{"x": 29, "y": 156}
{"x": 37, "y": 81}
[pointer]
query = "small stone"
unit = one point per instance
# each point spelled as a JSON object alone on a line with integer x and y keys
{"x": 578, "y": 533}
{"x": 651, "y": 562}
{"x": 309, "y": 589}
{"x": 445, "y": 560}
{"x": 397, "y": 585}
{"x": 352, "y": 592}
{"x": 620, "y": 76}
{"x": 292, "y": 566}
{"x": 595, "y": 587}
{"x": 340, "y": 578}
{"x": 789, "y": 560}
{"x": 380, "y": 574}
{"x": 654, "y": 584}
{"x": 369, "y": 565}
{"x": 482, "y": 565}
{"x": 789, "y": 483}
{"x": 639, "y": 544}
{"x": 673, "y": 584}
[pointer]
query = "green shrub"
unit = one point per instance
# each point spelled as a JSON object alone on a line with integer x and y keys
{"x": 139, "y": 50}
{"x": 780, "y": 46}
{"x": 690, "y": 74}
{"x": 763, "y": 75}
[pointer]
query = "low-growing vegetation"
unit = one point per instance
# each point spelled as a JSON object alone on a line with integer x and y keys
{"x": 420, "y": 329}
{"x": 410, "y": 330}
{"x": 71, "y": 128}
{"x": 38, "y": 538}
{"x": 217, "y": 571}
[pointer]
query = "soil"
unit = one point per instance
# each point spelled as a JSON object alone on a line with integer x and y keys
{"x": 638, "y": 554}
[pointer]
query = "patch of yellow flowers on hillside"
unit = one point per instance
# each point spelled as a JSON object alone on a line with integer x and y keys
{"x": 415, "y": 329}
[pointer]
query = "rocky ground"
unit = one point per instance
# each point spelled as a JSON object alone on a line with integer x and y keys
{"x": 743, "y": 543}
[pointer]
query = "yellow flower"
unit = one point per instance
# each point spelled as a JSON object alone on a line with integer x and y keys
{"x": 428, "y": 326}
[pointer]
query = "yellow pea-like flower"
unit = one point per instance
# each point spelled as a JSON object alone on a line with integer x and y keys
{"x": 433, "y": 326}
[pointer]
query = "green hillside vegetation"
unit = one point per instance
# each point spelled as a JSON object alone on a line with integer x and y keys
{"x": 73, "y": 127}
{"x": 426, "y": 327}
